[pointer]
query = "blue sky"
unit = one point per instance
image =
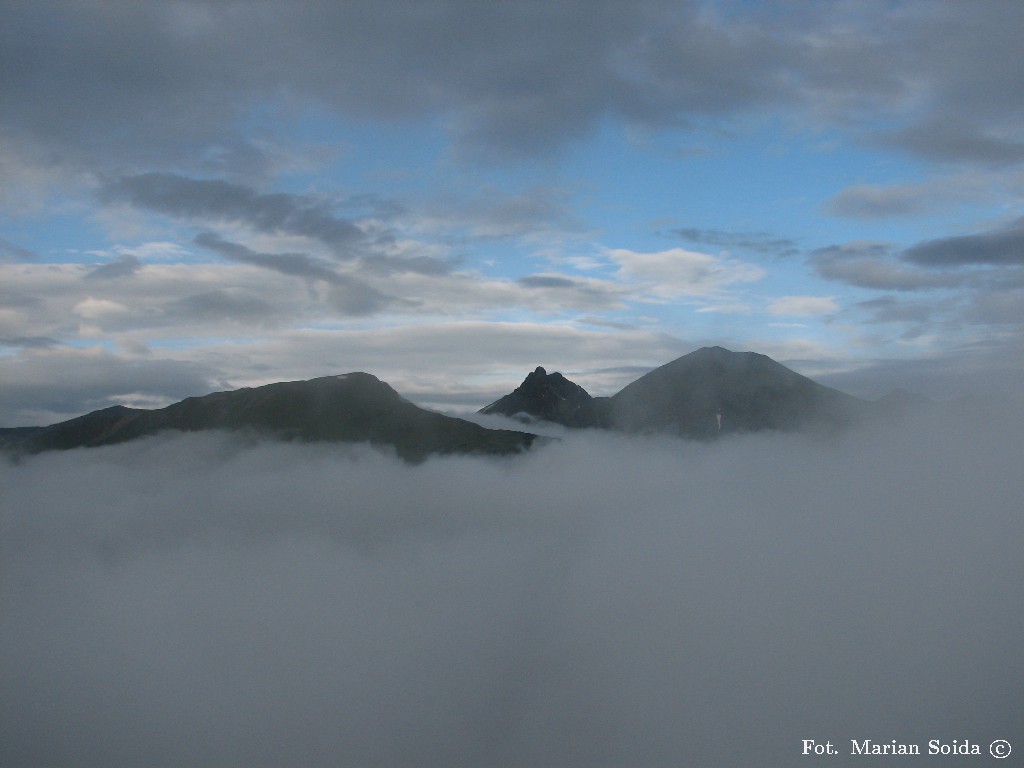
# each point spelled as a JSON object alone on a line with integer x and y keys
{"x": 202, "y": 195}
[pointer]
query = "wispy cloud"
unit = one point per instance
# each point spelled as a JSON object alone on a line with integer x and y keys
{"x": 215, "y": 199}
{"x": 758, "y": 242}
{"x": 678, "y": 272}
{"x": 802, "y": 305}
{"x": 1001, "y": 246}
{"x": 13, "y": 252}
{"x": 874, "y": 265}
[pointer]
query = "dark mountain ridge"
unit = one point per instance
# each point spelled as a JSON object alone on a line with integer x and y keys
{"x": 354, "y": 407}
{"x": 705, "y": 394}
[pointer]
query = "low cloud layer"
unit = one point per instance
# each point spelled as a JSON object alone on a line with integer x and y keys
{"x": 600, "y": 602}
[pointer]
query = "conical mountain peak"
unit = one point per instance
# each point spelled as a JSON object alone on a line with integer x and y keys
{"x": 715, "y": 389}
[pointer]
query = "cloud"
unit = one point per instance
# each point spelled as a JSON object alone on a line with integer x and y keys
{"x": 498, "y": 214}
{"x": 602, "y": 601}
{"x": 95, "y": 309}
{"x": 12, "y": 252}
{"x": 939, "y": 194}
{"x": 575, "y": 293}
{"x": 504, "y": 79}
{"x": 888, "y": 309}
{"x": 758, "y": 242}
{"x": 985, "y": 368}
{"x": 38, "y": 390}
{"x": 546, "y": 281}
{"x": 292, "y": 264}
{"x": 29, "y": 342}
{"x": 124, "y": 266}
{"x": 958, "y": 140}
{"x": 513, "y": 81}
{"x": 999, "y": 307}
{"x": 678, "y": 272}
{"x": 874, "y": 265}
{"x": 234, "y": 304}
{"x": 215, "y": 199}
{"x": 50, "y": 299}
{"x": 964, "y": 115}
{"x": 870, "y": 201}
{"x": 399, "y": 261}
{"x": 803, "y": 305}
{"x": 1002, "y": 246}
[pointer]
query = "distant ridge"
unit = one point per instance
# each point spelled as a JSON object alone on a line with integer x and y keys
{"x": 354, "y": 407}
{"x": 707, "y": 393}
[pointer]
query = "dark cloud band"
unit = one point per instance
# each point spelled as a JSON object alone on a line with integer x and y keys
{"x": 998, "y": 247}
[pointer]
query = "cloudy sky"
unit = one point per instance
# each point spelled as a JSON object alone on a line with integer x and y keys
{"x": 205, "y": 195}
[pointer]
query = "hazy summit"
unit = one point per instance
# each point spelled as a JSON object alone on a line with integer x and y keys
{"x": 715, "y": 390}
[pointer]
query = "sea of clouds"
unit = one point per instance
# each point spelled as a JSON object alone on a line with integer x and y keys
{"x": 600, "y": 601}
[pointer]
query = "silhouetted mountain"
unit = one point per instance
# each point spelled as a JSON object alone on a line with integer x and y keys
{"x": 750, "y": 392}
{"x": 96, "y": 428}
{"x": 354, "y": 407}
{"x": 542, "y": 395}
{"x": 705, "y": 393}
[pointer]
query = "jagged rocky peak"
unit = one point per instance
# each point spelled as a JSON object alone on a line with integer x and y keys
{"x": 542, "y": 395}
{"x": 536, "y": 380}
{"x": 540, "y": 379}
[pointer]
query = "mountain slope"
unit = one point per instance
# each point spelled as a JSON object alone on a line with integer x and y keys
{"x": 355, "y": 407}
{"x": 750, "y": 392}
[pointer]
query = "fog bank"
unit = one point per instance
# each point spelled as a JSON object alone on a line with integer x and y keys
{"x": 602, "y": 601}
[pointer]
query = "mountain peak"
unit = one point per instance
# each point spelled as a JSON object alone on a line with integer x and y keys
{"x": 715, "y": 390}
{"x": 542, "y": 395}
